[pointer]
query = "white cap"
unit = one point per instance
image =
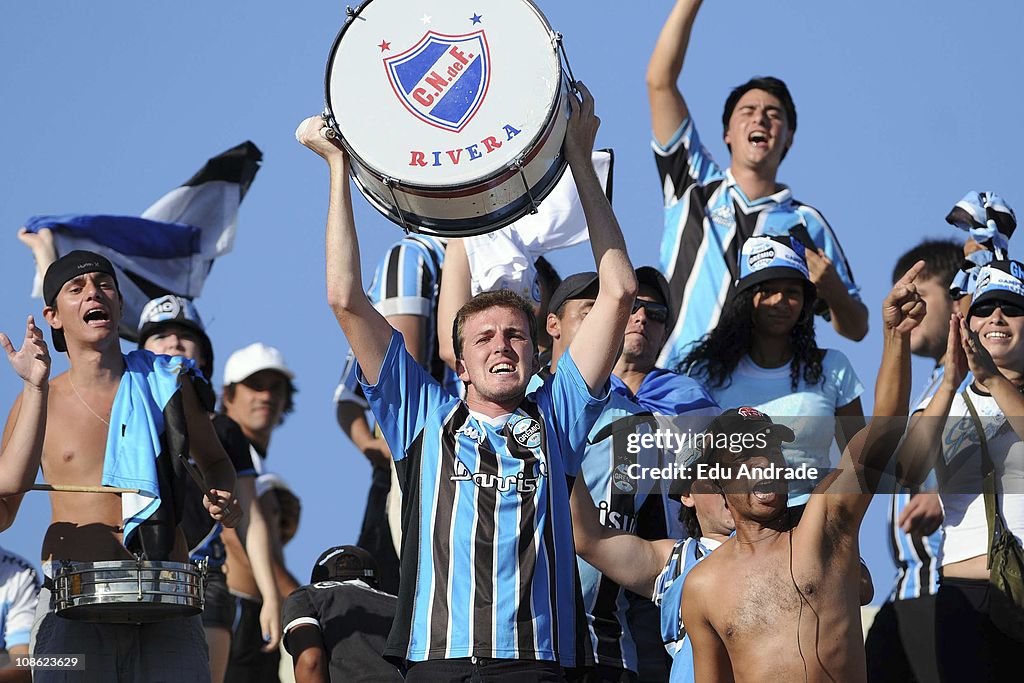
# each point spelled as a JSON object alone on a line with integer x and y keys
{"x": 270, "y": 481}
{"x": 252, "y": 359}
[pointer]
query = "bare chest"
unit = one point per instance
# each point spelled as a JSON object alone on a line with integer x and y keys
{"x": 75, "y": 443}
{"x": 764, "y": 597}
{"x": 789, "y": 609}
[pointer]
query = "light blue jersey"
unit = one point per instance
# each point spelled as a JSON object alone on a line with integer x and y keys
{"x": 668, "y": 595}
{"x": 488, "y": 560}
{"x": 707, "y": 219}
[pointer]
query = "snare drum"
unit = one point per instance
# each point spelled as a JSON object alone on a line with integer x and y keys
{"x": 128, "y": 591}
{"x": 453, "y": 113}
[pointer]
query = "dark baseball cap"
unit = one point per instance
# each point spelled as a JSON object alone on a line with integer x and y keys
{"x": 67, "y": 268}
{"x": 577, "y": 286}
{"x": 652, "y": 277}
{"x": 344, "y": 562}
{"x": 747, "y": 420}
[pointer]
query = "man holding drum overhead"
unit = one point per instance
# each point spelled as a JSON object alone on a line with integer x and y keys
{"x": 118, "y": 421}
{"x": 489, "y": 584}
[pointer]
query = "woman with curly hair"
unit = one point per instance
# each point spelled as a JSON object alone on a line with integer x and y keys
{"x": 763, "y": 354}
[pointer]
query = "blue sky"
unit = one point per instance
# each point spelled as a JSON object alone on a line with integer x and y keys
{"x": 903, "y": 107}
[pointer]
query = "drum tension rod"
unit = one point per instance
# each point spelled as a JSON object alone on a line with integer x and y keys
{"x": 565, "y": 57}
{"x": 138, "y": 576}
{"x": 517, "y": 163}
{"x": 351, "y": 13}
{"x": 389, "y": 183}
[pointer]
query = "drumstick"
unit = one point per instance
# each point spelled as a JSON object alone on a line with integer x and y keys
{"x": 196, "y": 475}
{"x": 68, "y": 488}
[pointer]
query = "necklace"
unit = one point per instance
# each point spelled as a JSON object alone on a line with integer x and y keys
{"x": 87, "y": 406}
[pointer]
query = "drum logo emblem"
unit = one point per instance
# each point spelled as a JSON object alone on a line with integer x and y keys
{"x": 442, "y": 79}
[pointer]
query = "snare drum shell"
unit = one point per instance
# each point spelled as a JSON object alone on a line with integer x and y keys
{"x": 128, "y": 591}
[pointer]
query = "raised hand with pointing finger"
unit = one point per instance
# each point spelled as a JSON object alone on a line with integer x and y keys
{"x": 903, "y": 308}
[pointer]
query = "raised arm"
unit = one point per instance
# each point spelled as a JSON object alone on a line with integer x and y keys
{"x": 214, "y": 464}
{"x": 456, "y": 290}
{"x": 849, "y": 315}
{"x": 254, "y": 534}
{"x": 922, "y": 445}
{"x": 367, "y": 331}
{"x": 668, "y": 108}
{"x": 596, "y": 345}
{"x": 861, "y": 466}
{"x": 23, "y": 438}
{"x": 625, "y": 558}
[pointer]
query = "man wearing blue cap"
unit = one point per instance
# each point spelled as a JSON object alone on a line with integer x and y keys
{"x": 624, "y": 626}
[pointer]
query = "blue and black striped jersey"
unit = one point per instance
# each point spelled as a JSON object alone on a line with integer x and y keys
{"x": 707, "y": 219}
{"x": 488, "y": 560}
{"x": 668, "y": 595}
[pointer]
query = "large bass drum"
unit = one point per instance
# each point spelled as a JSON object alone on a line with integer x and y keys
{"x": 453, "y": 113}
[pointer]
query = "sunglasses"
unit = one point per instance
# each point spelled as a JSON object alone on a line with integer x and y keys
{"x": 653, "y": 310}
{"x": 989, "y": 307}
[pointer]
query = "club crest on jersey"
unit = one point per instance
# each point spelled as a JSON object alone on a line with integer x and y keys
{"x": 526, "y": 432}
{"x": 622, "y": 480}
{"x": 442, "y": 80}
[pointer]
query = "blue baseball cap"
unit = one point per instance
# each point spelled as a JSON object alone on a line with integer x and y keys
{"x": 771, "y": 258}
{"x": 999, "y": 280}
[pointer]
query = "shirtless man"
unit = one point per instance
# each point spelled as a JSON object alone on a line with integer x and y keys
{"x": 781, "y": 602}
{"x": 83, "y": 309}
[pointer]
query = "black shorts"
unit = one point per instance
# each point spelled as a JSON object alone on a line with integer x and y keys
{"x": 485, "y": 671}
{"x": 219, "y": 606}
{"x": 248, "y": 663}
{"x": 969, "y": 646}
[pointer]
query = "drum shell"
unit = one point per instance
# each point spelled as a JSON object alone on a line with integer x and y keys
{"x": 472, "y": 209}
{"x": 467, "y": 206}
{"x": 128, "y": 591}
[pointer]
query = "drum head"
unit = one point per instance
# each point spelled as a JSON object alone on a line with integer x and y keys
{"x": 442, "y": 94}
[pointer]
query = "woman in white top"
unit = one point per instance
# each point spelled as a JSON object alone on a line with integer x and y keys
{"x": 990, "y": 343}
{"x": 763, "y": 354}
